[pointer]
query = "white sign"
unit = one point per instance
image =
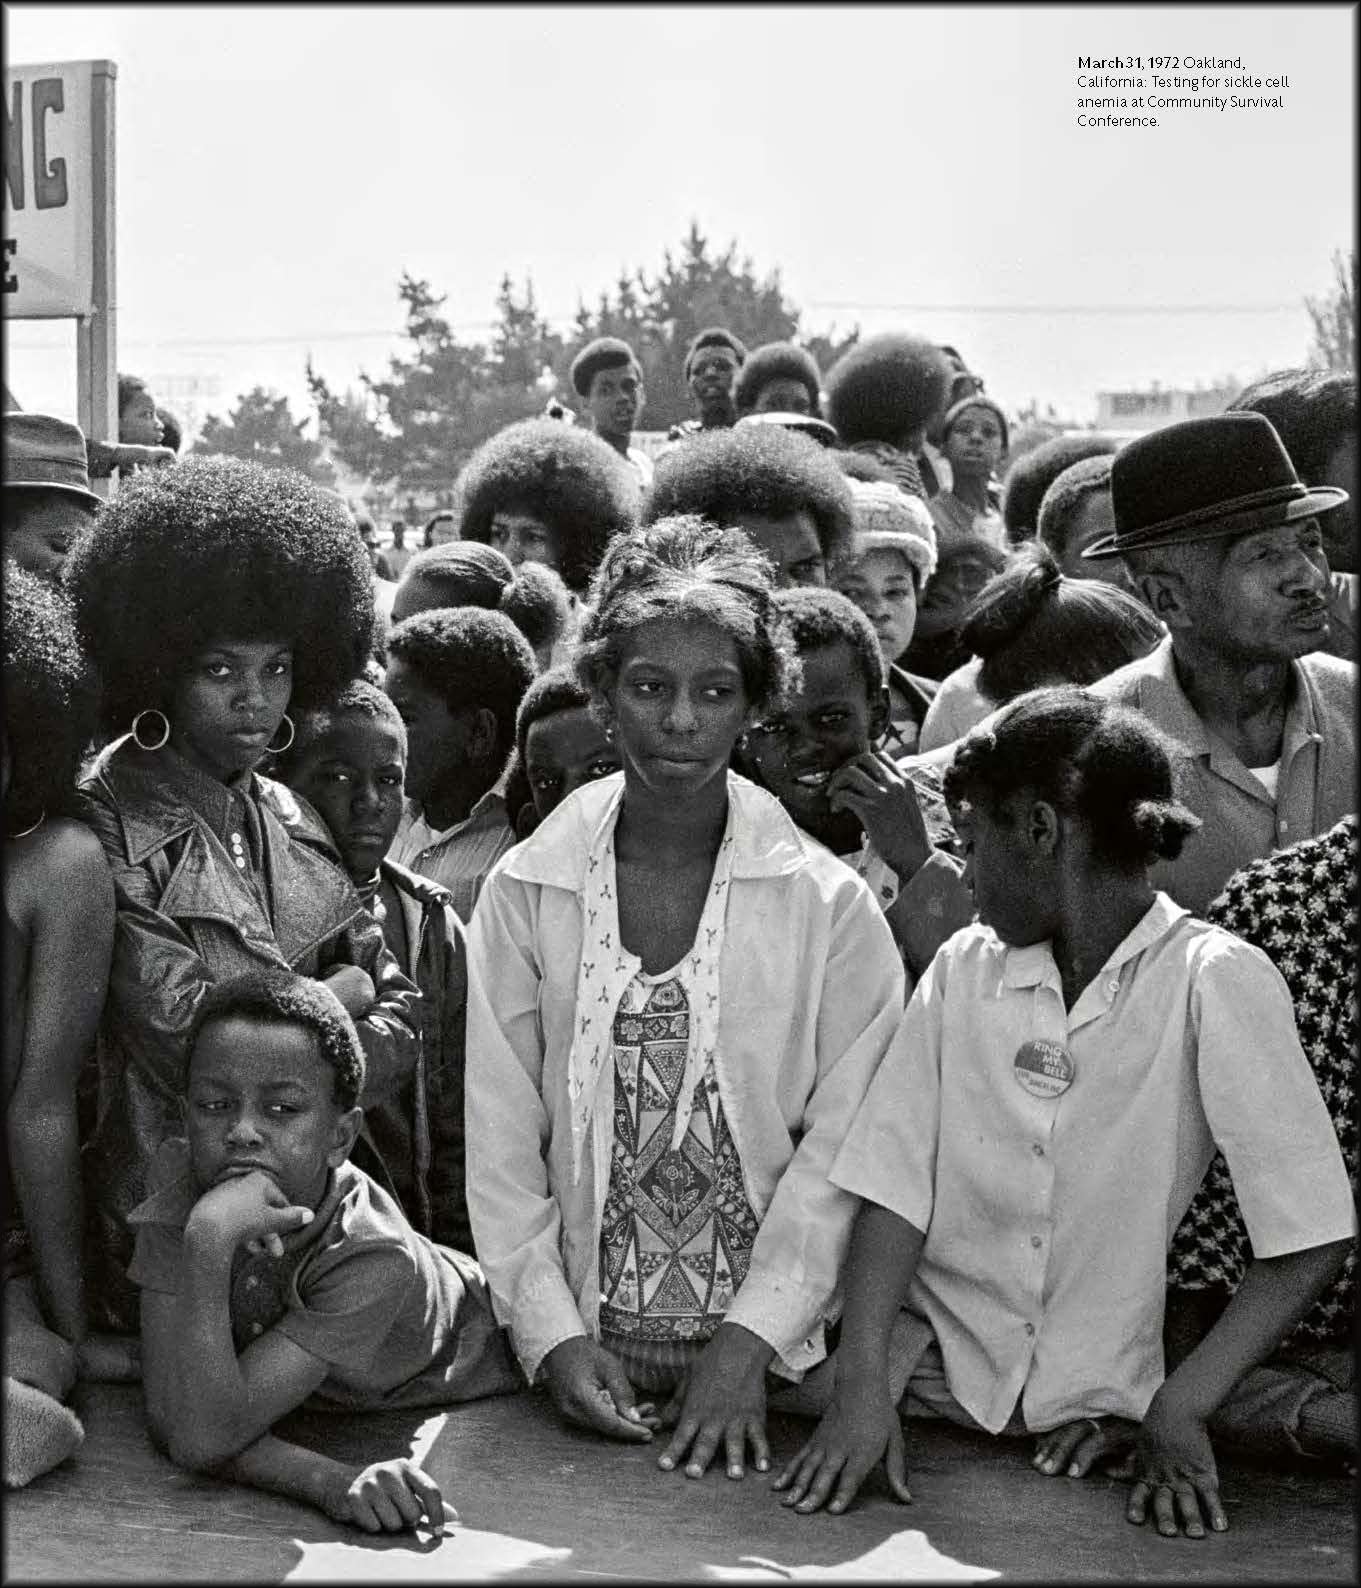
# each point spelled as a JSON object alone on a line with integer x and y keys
{"x": 51, "y": 149}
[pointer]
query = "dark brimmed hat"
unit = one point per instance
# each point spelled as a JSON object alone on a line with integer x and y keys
{"x": 801, "y": 424}
{"x": 1226, "y": 475}
{"x": 43, "y": 453}
{"x": 606, "y": 352}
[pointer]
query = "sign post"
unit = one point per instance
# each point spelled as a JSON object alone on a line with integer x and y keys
{"x": 59, "y": 239}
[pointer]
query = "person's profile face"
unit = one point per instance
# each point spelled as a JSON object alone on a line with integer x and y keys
{"x": 783, "y": 395}
{"x": 615, "y": 399}
{"x": 791, "y": 542}
{"x": 563, "y": 751}
{"x": 139, "y": 425}
{"x": 1265, "y": 596}
{"x": 436, "y": 737}
{"x": 40, "y": 528}
{"x": 1006, "y": 888}
{"x": 259, "y": 1097}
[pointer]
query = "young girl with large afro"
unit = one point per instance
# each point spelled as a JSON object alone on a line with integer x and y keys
{"x": 213, "y": 595}
{"x": 631, "y": 1005}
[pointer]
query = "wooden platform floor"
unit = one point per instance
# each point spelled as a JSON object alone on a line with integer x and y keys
{"x": 539, "y": 1501}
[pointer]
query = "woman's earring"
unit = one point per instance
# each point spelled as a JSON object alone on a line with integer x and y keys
{"x": 609, "y": 733}
{"x": 281, "y": 749}
{"x": 164, "y": 739}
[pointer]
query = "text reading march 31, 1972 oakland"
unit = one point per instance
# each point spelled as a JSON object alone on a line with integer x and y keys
{"x": 1133, "y": 88}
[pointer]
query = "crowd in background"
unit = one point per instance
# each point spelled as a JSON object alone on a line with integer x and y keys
{"x": 824, "y": 915}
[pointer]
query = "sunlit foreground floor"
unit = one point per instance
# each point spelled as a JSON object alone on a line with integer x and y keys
{"x": 536, "y": 1500}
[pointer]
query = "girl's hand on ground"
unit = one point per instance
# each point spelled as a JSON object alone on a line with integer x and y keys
{"x": 1174, "y": 1466}
{"x": 859, "y": 1428}
{"x": 1089, "y": 1442}
{"x": 875, "y": 787}
{"x": 589, "y": 1387}
{"x": 392, "y": 1497}
{"x": 110, "y": 1359}
{"x": 724, "y": 1402}
{"x": 354, "y": 987}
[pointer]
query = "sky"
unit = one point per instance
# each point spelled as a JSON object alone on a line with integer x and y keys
{"x": 912, "y": 168}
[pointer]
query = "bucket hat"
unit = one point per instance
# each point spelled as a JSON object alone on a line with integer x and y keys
{"x": 47, "y": 454}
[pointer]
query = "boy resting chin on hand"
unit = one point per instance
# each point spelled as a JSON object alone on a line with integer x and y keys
{"x": 274, "y": 1272}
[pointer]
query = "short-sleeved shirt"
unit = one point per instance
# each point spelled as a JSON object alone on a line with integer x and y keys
{"x": 1300, "y": 908}
{"x": 1047, "y": 1217}
{"x": 398, "y": 1320}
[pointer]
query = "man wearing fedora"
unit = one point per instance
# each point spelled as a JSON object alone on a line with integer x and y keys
{"x": 1223, "y": 540}
{"x": 48, "y": 499}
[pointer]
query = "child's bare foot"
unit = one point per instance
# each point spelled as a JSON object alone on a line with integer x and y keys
{"x": 40, "y": 1433}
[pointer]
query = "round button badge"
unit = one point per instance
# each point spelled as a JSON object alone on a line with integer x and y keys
{"x": 1044, "y": 1068}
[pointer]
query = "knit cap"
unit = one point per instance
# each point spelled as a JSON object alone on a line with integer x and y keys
{"x": 888, "y": 519}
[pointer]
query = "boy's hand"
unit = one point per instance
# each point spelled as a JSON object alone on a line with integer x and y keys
{"x": 354, "y": 987}
{"x": 857, "y": 1429}
{"x": 1174, "y": 1466}
{"x": 1079, "y": 1446}
{"x": 110, "y": 1359}
{"x": 246, "y": 1208}
{"x": 724, "y": 1400}
{"x": 589, "y": 1387}
{"x": 882, "y": 796}
{"x": 390, "y": 1497}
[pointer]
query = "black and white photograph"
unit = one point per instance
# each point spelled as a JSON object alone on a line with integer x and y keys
{"x": 680, "y": 795}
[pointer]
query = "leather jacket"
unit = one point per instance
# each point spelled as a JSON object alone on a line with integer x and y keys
{"x": 188, "y": 917}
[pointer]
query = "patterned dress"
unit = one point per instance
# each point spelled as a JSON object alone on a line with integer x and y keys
{"x": 1299, "y": 907}
{"x": 678, "y": 1229}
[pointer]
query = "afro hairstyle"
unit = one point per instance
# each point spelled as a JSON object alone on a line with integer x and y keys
{"x": 759, "y": 469}
{"x": 818, "y": 617}
{"x": 130, "y": 386}
{"x": 465, "y": 573}
{"x": 684, "y": 567}
{"x": 211, "y": 549}
{"x": 1031, "y": 624}
{"x": 715, "y": 336}
{"x": 956, "y": 411}
{"x": 1032, "y": 473}
{"x": 1066, "y": 494}
{"x": 359, "y": 698}
{"x": 777, "y": 361}
{"x": 606, "y": 352}
{"x": 472, "y": 659}
{"x": 1313, "y": 411}
{"x": 559, "y": 689}
{"x": 287, "y": 999}
{"x": 1093, "y": 759}
{"x": 51, "y": 700}
{"x": 566, "y": 477}
{"x": 885, "y": 388}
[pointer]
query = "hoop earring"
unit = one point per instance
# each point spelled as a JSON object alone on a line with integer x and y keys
{"x": 609, "y": 733}
{"x": 280, "y": 749}
{"x": 27, "y": 830}
{"x": 164, "y": 738}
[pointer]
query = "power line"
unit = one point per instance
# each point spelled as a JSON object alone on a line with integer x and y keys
{"x": 1062, "y": 308}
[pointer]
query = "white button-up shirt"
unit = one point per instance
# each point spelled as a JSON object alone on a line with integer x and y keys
{"x": 1048, "y": 1219}
{"x": 811, "y": 992}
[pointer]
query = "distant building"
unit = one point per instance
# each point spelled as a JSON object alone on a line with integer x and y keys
{"x": 1139, "y": 411}
{"x": 190, "y": 396}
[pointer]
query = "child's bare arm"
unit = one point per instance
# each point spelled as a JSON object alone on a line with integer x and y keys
{"x": 71, "y": 937}
{"x": 204, "y": 1401}
{"x": 861, "y": 1425}
{"x": 1175, "y": 1466}
{"x": 386, "y": 1496}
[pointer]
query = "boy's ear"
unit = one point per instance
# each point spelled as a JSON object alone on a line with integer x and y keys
{"x": 344, "y": 1136}
{"x": 881, "y": 709}
{"x": 482, "y": 733}
{"x": 1042, "y": 828}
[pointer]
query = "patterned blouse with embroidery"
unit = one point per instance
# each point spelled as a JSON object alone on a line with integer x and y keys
{"x": 1299, "y": 907}
{"x": 678, "y": 1229}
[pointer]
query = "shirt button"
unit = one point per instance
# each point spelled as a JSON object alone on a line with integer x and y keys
{"x": 1037, "y": 1241}
{"x": 259, "y": 1328}
{"x": 1038, "y": 1150}
{"x": 1113, "y": 986}
{"x": 240, "y": 863}
{"x": 1030, "y": 1328}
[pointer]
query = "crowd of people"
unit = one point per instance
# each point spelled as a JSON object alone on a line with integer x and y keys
{"x": 829, "y": 918}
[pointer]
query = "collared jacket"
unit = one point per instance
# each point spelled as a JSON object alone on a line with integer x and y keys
{"x": 1241, "y": 820}
{"x": 811, "y": 992}
{"x": 188, "y": 918}
{"x": 419, "y": 1132}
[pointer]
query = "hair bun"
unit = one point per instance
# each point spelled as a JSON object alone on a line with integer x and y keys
{"x": 1164, "y": 825}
